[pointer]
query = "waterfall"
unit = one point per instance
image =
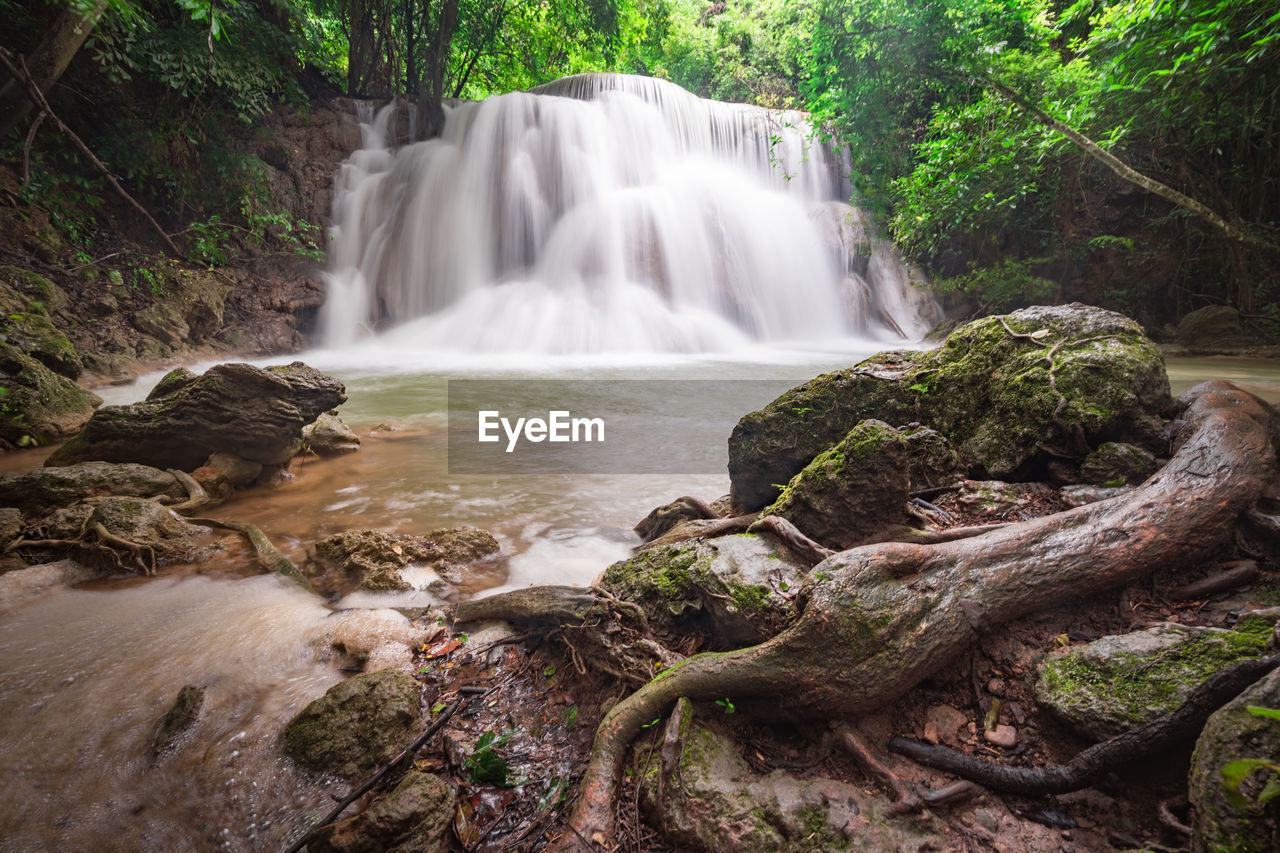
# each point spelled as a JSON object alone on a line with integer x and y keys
{"x": 608, "y": 213}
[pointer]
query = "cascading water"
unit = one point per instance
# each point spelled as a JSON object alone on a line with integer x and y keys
{"x": 608, "y": 213}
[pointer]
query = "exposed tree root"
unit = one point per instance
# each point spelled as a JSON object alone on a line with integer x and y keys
{"x": 808, "y": 551}
{"x": 1178, "y": 727}
{"x": 196, "y": 495}
{"x": 267, "y": 553}
{"x": 905, "y": 800}
{"x": 98, "y": 545}
{"x": 703, "y": 529}
{"x": 1232, "y": 575}
{"x": 875, "y": 620}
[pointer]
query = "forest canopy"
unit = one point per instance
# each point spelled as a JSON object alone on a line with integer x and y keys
{"x": 979, "y": 130}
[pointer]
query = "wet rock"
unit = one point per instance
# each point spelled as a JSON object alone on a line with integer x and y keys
{"x": 144, "y": 521}
{"x": 177, "y": 720}
{"x": 38, "y": 406}
{"x": 254, "y": 413}
{"x": 222, "y": 473}
{"x": 373, "y": 639}
{"x": 1213, "y": 329}
{"x": 987, "y": 390}
{"x": 413, "y": 818}
{"x": 374, "y": 558}
{"x": 736, "y": 586}
{"x": 849, "y": 493}
{"x": 711, "y": 800}
{"x": 25, "y": 584}
{"x": 11, "y": 524}
{"x": 1233, "y": 819}
{"x": 664, "y": 518}
{"x": 1002, "y": 736}
{"x": 357, "y": 726}
{"x": 1081, "y": 495}
{"x": 1120, "y": 683}
{"x": 947, "y": 723}
{"x": 329, "y": 436}
{"x": 39, "y": 491}
{"x": 1118, "y": 464}
{"x": 164, "y": 323}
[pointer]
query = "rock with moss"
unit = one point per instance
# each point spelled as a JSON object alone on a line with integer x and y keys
{"x": 1120, "y": 683}
{"x": 853, "y": 491}
{"x": 329, "y": 436}
{"x": 26, "y": 325}
{"x": 664, "y": 518}
{"x": 709, "y": 799}
{"x": 1231, "y": 817}
{"x": 255, "y": 413}
{"x": 932, "y": 459}
{"x": 11, "y": 524}
{"x": 38, "y": 406}
{"x": 993, "y": 500}
{"x": 44, "y": 489}
{"x": 222, "y": 473}
{"x": 372, "y": 559}
{"x": 735, "y": 589}
{"x": 357, "y": 726}
{"x": 1116, "y": 463}
{"x": 1215, "y": 328}
{"x": 178, "y": 720}
{"x": 414, "y": 818}
{"x": 1001, "y": 389}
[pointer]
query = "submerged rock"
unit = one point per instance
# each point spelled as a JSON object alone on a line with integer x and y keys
{"x": 849, "y": 493}
{"x": 45, "y": 489}
{"x": 254, "y": 413}
{"x": 374, "y": 558}
{"x": 177, "y": 720}
{"x": 413, "y": 818}
{"x": 709, "y": 799}
{"x": 1120, "y": 683}
{"x": 736, "y": 588}
{"x": 329, "y": 436}
{"x": 23, "y": 585}
{"x": 356, "y": 727}
{"x": 1226, "y": 817}
{"x": 222, "y": 473}
{"x": 987, "y": 389}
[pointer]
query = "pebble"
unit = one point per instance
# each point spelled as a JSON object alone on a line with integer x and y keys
{"x": 1005, "y": 736}
{"x": 996, "y": 687}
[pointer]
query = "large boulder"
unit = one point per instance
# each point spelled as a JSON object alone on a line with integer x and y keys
{"x": 1115, "y": 463}
{"x": 255, "y": 413}
{"x": 1227, "y": 817}
{"x": 45, "y": 489}
{"x": 413, "y": 818}
{"x": 735, "y": 588}
{"x": 25, "y": 324}
{"x": 1120, "y": 683}
{"x": 37, "y": 405}
{"x": 356, "y": 727}
{"x": 709, "y": 799}
{"x": 851, "y": 492}
{"x": 1213, "y": 329}
{"x": 1001, "y": 389}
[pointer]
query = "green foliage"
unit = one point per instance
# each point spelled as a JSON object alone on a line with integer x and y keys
{"x": 485, "y": 766}
{"x": 1235, "y": 774}
{"x": 1006, "y": 286}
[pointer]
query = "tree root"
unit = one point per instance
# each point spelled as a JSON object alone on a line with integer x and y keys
{"x": 270, "y": 556}
{"x": 905, "y": 800}
{"x": 196, "y": 495}
{"x": 104, "y": 545}
{"x": 876, "y": 620}
{"x": 808, "y": 551}
{"x": 1092, "y": 764}
{"x": 706, "y": 528}
{"x": 1232, "y": 575}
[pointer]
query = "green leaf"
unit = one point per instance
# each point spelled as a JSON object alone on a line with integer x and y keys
{"x": 1269, "y": 713}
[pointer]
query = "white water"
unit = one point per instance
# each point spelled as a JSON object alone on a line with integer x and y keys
{"x": 608, "y": 214}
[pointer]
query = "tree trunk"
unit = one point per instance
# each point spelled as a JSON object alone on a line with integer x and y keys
{"x": 47, "y": 62}
{"x": 878, "y": 619}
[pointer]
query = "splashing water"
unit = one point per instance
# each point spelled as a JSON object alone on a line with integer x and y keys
{"x": 608, "y": 213}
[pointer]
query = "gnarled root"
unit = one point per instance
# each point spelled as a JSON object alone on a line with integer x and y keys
{"x": 269, "y": 554}
{"x": 876, "y": 620}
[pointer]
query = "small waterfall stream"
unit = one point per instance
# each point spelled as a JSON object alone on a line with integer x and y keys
{"x": 609, "y": 213}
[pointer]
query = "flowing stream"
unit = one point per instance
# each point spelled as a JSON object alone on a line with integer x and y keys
{"x": 603, "y": 228}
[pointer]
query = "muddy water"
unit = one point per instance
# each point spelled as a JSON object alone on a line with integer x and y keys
{"x": 87, "y": 672}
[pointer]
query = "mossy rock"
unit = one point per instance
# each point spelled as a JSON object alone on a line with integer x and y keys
{"x": 329, "y": 436}
{"x": 357, "y": 726}
{"x": 1215, "y": 328}
{"x": 734, "y": 588}
{"x": 932, "y": 459}
{"x": 373, "y": 558}
{"x": 44, "y": 489}
{"x": 988, "y": 389}
{"x": 414, "y": 818}
{"x": 36, "y": 287}
{"x": 851, "y": 492}
{"x": 177, "y": 720}
{"x": 38, "y": 406}
{"x": 1120, "y": 683}
{"x": 712, "y": 801}
{"x": 1116, "y": 463}
{"x": 25, "y": 324}
{"x": 1237, "y": 824}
